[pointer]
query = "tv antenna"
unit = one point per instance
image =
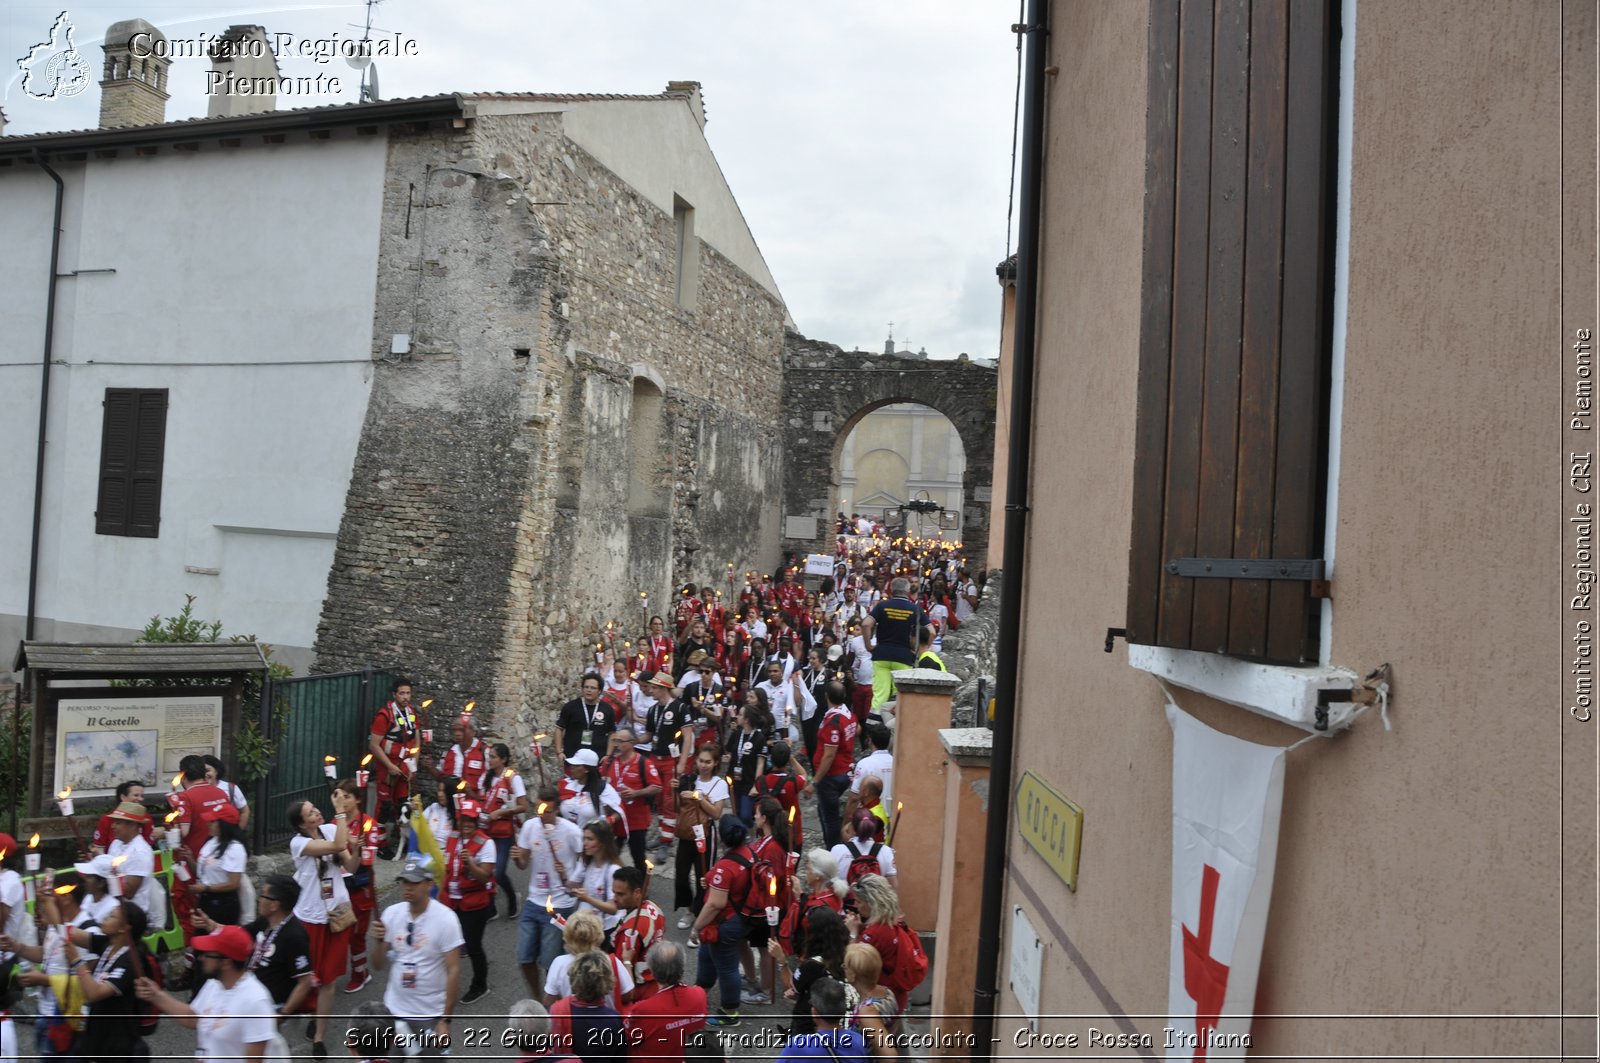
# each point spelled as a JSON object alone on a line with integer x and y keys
{"x": 362, "y": 59}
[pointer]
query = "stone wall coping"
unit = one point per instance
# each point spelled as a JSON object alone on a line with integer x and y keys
{"x": 968, "y": 743}
{"x": 926, "y": 681}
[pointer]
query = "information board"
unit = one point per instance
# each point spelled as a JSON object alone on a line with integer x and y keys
{"x": 105, "y": 741}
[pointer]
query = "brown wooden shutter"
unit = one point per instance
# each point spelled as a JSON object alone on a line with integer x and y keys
{"x": 1228, "y": 461}
{"x": 132, "y": 455}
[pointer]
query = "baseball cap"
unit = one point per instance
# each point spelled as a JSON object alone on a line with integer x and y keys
{"x": 417, "y": 869}
{"x": 467, "y": 808}
{"x": 230, "y": 941}
{"x": 835, "y": 652}
{"x": 586, "y": 757}
{"x": 100, "y": 865}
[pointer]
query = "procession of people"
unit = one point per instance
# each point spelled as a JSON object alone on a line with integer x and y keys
{"x": 686, "y": 751}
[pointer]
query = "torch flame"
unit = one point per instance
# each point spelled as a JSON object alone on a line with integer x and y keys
{"x": 330, "y": 759}
{"x": 172, "y": 816}
{"x": 33, "y": 842}
{"x": 62, "y": 891}
{"x": 177, "y": 780}
{"x": 550, "y": 904}
{"x": 117, "y": 861}
{"x": 461, "y": 784}
{"x": 428, "y": 702}
{"x": 468, "y": 710}
{"x": 539, "y": 737}
{"x": 791, "y": 815}
{"x": 366, "y": 825}
{"x": 542, "y": 807}
{"x": 898, "y": 805}
{"x": 64, "y": 794}
{"x": 366, "y": 760}
{"x": 772, "y": 888}
{"x": 642, "y": 594}
{"x": 649, "y": 866}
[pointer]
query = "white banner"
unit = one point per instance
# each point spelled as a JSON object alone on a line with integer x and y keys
{"x": 1227, "y": 798}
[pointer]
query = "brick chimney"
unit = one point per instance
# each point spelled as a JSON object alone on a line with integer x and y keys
{"x": 134, "y": 88}
{"x": 690, "y": 90}
{"x": 244, "y": 74}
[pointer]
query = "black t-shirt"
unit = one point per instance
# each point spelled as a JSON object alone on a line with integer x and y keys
{"x": 744, "y": 749}
{"x": 281, "y": 958}
{"x": 664, "y": 720}
{"x": 575, "y": 718}
{"x": 898, "y": 621}
{"x": 686, "y": 650}
{"x": 113, "y": 1024}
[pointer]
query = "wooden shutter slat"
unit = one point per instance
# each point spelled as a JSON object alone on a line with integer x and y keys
{"x": 1187, "y": 380}
{"x": 1258, "y": 375}
{"x": 117, "y": 435}
{"x": 132, "y": 458}
{"x": 1231, "y": 429}
{"x": 1219, "y": 431}
{"x": 1303, "y": 325}
{"x": 1155, "y": 327}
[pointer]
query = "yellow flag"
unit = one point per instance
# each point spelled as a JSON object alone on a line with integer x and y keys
{"x": 426, "y": 842}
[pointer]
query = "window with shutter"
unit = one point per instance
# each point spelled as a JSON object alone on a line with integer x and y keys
{"x": 1230, "y": 454}
{"x": 133, "y": 439}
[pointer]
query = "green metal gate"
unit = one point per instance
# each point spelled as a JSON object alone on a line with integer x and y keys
{"x": 327, "y": 714}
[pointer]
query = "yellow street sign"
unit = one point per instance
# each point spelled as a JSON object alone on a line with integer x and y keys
{"x": 1052, "y": 825}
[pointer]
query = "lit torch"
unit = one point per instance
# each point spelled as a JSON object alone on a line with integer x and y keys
{"x": 895, "y": 823}
{"x": 364, "y": 772}
{"x": 64, "y": 801}
{"x": 330, "y": 766}
{"x": 550, "y": 910}
{"x": 772, "y": 903}
{"x": 32, "y": 863}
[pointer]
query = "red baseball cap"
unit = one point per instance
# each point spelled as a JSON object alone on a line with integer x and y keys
{"x": 230, "y": 941}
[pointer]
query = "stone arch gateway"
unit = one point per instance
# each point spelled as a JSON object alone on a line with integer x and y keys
{"x": 827, "y": 390}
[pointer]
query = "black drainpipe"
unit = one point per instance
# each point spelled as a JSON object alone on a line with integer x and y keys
{"x": 986, "y": 994}
{"x": 44, "y": 392}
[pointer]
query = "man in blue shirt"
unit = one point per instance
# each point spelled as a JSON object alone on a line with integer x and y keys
{"x": 834, "y": 1042}
{"x": 896, "y": 623}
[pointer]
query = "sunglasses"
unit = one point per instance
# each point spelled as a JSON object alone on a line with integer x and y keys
{"x": 410, "y": 927}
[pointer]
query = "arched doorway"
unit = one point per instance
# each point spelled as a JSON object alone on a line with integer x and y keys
{"x": 900, "y": 454}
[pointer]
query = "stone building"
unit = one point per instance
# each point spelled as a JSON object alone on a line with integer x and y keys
{"x": 899, "y": 452}
{"x": 458, "y": 379}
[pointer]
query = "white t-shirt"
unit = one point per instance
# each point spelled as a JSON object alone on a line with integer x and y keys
{"x": 19, "y": 922}
{"x": 879, "y": 762}
{"x": 558, "y": 985}
{"x": 230, "y": 1019}
{"x": 214, "y": 870}
{"x": 862, "y": 661}
{"x": 580, "y": 809}
{"x": 965, "y": 608}
{"x": 98, "y": 910}
{"x": 136, "y": 859}
{"x": 939, "y": 618}
{"x": 235, "y": 794}
{"x": 564, "y": 842}
{"x": 321, "y": 879}
{"x": 416, "y": 970}
{"x": 716, "y": 790}
{"x": 437, "y": 817}
{"x": 845, "y": 852}
{"x": 597, "y": 883}
{"x": 757, "y": 628}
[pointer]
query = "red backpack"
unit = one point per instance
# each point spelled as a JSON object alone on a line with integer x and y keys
{"x": 758, "y": 892}
{"x": 910, "y": 965}
{"x": 863, "y": 864}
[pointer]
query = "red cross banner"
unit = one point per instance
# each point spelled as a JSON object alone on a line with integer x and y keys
{"x": 1227, "y": 797}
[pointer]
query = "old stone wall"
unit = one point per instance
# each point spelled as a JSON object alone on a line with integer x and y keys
{"x": 828, "y": 389}
{"x": 562, "y": 434}
{"x": 973, "y": 653}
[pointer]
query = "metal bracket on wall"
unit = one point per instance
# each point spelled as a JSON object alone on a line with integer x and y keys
{"x": 1112, "y": 634}
{"x": 1247, "y": 568}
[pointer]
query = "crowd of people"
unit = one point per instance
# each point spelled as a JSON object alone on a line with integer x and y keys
{"x": 691, "y": 746}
